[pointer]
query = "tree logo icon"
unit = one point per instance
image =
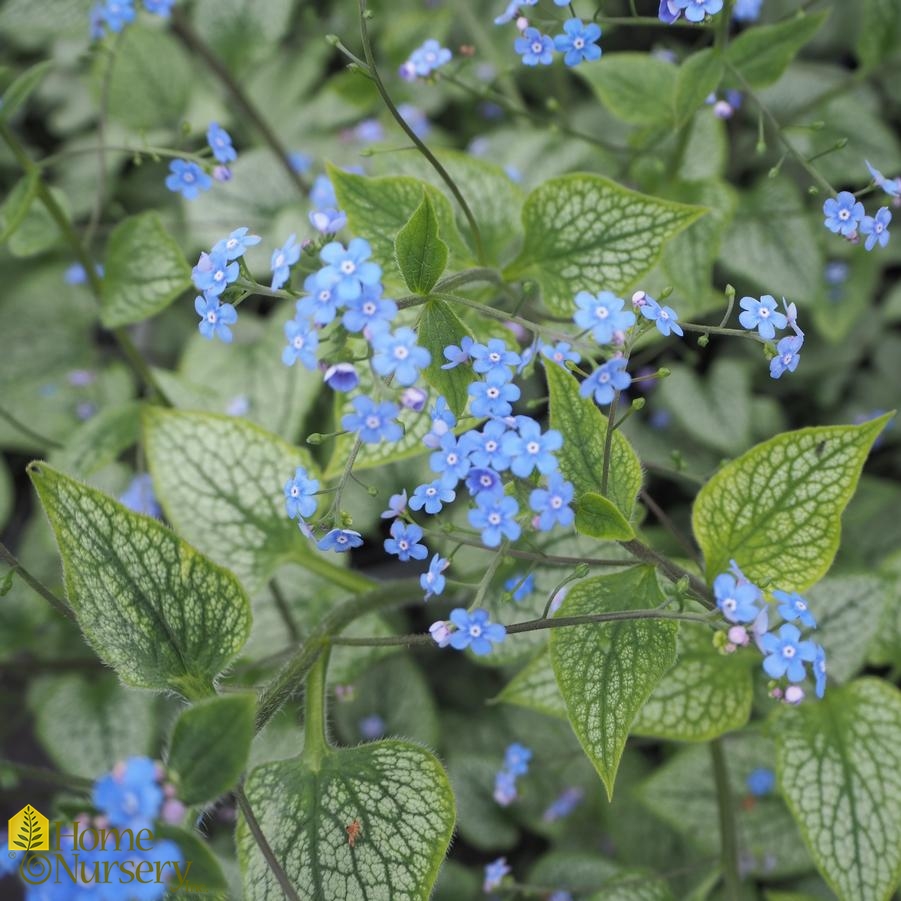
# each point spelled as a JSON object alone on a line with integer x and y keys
{"x": 29, "y": 830}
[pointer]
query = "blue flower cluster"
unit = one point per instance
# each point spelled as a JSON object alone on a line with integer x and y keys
{"x": 578, "y": 42}
{"x": 846, "y": 215}
{"x": 214, "y": 272}
{"x": 189, "y": 179}
{"x": 425, "y": 60}
{"x": 494, "y": 874}
{"x": 325, "y": 216}
{"x": 468, "y": 629}
{"x": 114, "y": 15}
{"x": 516, "y": 764}
{"x": 742, "y": 603}
{"x": 563, "y": 805}
{"x": 693, "y": 10}
{"x": 763, "y": 316}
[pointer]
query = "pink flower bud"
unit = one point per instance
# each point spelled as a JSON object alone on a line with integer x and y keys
{"x": 738, "y": 635}
{"x": 638, "y": 298}
{"x": 794, "y": 694}
{"x": 173, "y": 812}
{"x": 441, "y": 633}
{"x": 723, "y": 110}
{"x": 522, "y": 23}
{"x": 222, "y": 173}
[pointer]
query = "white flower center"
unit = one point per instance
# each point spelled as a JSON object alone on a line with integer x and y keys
{"x": 279, "y": 260}
{"x": 537, "y": 47}
{"x": 601, "y": 312}
{"x": 579, "y": 43}
{"x": 401, "y": 353}
{"x": 493, "y": 393}
{"x": 788, "y": 651}
{"x": 369, "y": 308}
{"x": 556, "y": 502}
{"x": 763, "y": 312}
{"x": 533, "y": 447}
{"x": 475, "y": 631}
{"x": 348, "y": 267}
{"x": 494, "y": 518}
{"x": 452, "y": 459}
{"x": 372, "y": 422}
{"x": 211, "y": 317}
{"x": 298, "y": 342}
{"x": 491, "y": 446}
{"x": 188, "y": 177}
{"x": 494, "y": 357}
{"x": 844, "y": 215}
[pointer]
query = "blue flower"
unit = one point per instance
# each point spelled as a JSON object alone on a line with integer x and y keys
{"x": 341, "y": 377}
{"x": 787, "y": 357}
{"x": 398, "y": 354}
{"x": 843, "y": 213}
{"x": 579, "y": 42}
{"x": 373, "y": 422}
{"x": 450, "y": 460}
{"x": 236, "y": 244}
{"x": 372, "y": 727}
{"x": 736, "y": 598}
{"x": 429, "y": 57}
{"x": 458, "y": 354}
{"x": 493, "y": 397}
{"x": 327, "y": 222}
{"x": 606, "y": 380}
{"x": 187, "y": 178}
{"x": 485, "y": 448}
{"x": 762, "y": 315}
{"x": 786, "y": 653}
{"x": 535, "y": 48}
{"x": 432, "y": 497}
{"x": 494, "y": 874}
{"x": 220, "y": 142}
{"x": 303, "y": 341}
{"x": 665, "y": 318}
{"x": 482, "y": 479}
{"x": 891, "y": 186}
{"x": 552, "y": 503}
{"x": 761, "y": 782}
{"x": 351, "y": 266}
{"x": 819, "y": 670}
{"x": 521, "y": 585}
{"x": 603, "y": 314}
{"x": 876, "y": 228}
{"x": 404, "y": 542}
{"x": 504, "y": 788}
{"x": 475, "y": 630}
{"x": 139, "y": 496}
{"x": 340, "y": 540}
{"x": 696, "y": 10}
{"x": 443, "y": 420}
{"x": 300, "y": 493}
{"x": 565, "y": 803}
{"x": 117, "y": 13}
{"x": 495, "y": 515}
{"x": 397, "y": 504}
{"x": 512, "y": 10}
{"x": 162, "y": 8}
{"x": 283, "y": 258}
{"x": 433, "y": 581}
{"x": 746, "y": 10}
{"x": 215, "y": 318}
{"x": 529, "y": 449}
{"x": 214, "y": 273}
{"x": 668, "y": 11}
{"x": 322, "y": 194}
{"x": 369, "y": 310}
{"x": 494, "y": 357}
{"x": 516, "y": 759}
{"x": 560, "y": 353}
{"x": 130, "y": 795}
{"x": 321, "y": 303}
{"x": 793, "y": 607}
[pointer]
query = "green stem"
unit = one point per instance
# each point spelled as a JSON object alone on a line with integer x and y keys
{"x": 338, "y": 575}
{"x": 411, "y": 134}
{"x": 728, "y": 833}
{"x": 608, "y": 443}
{"x": 50, "y": 777}
{"x": 182, "y": 29}
{"x": 284, "y": 611}
{"x": 42, "y": 440}
{"x": 59, "y": 605}
{"x": 534, "y": 625}
{"x": 799, "y": 157}
{"x": 315, "y": 741}
{"x": 126, "y": 345}
{"x": 286, "y": 684}
{"x": 672, "y": 571}
{"x": 263, "y": 844}
{"x": 485, "y": 581}
{"x": 150, "y": 151}
{"x": 649, "y": 22}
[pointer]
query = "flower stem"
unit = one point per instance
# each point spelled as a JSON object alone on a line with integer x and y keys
{"x": 411, "y": 134}
{"x": 57, "y": 603}
{"x": 728, "y": 834}
{"x": 315, "y": 741}
{"x": 182, "y": 29}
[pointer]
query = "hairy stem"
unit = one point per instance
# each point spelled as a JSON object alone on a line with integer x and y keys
{"x": 411, "y": 134}
{"x": 315, "y": 741}
{"x": 182, "y": 29}
{"x": 57, "y": 603}
{"x": 728, "y": 833}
